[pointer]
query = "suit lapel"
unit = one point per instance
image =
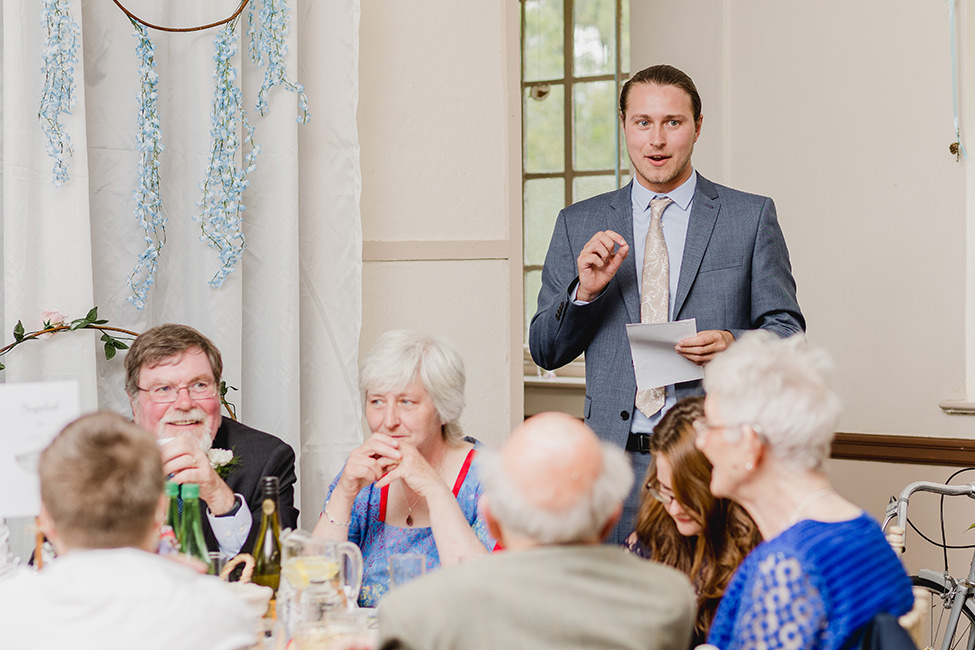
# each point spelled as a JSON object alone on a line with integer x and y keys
{"x": 699, "y": 229}
{"x": 221, "y": 439}
{"x": 621, "y": 221}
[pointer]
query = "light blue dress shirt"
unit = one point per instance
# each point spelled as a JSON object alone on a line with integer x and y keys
{"x": 674, "y": 221}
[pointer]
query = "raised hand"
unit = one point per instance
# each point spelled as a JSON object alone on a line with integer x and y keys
{"x": 598, "y": 262}
{"x": 187, "y": 463}
{"x": 368, "y": 463}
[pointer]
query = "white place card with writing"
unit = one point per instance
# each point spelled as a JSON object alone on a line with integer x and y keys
{"x": 31, "y": 415}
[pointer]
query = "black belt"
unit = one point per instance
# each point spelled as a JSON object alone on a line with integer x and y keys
{"x": 639, "y": 443}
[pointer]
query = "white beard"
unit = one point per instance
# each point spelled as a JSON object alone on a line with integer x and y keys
{"x": 198, "y": 433}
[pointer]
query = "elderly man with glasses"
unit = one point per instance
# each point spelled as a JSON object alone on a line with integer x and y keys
{"x": 172, "y": 378}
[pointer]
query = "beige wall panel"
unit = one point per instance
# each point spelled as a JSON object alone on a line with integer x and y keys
{"x": 434, "y": 114}
{"x": 466, "y": 302}
{"x": 846, "y": 124}
{"x": 698, "y": 52}
{"x": 541, "y": 398}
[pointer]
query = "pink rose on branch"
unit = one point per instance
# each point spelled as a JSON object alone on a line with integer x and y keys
{"x": 51, "y": 319}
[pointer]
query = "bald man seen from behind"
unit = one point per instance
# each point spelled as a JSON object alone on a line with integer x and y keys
{"x": 552, "y": 494}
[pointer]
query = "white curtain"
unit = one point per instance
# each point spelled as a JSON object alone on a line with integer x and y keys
{"x": 287, "y": 320}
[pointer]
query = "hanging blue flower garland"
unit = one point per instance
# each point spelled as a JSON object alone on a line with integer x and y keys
{"x": 148, "y": 204}
{"x": 223, "y": 188}
{"x": 222, "y": 201}
{"x": 267, "y": 35}
{"x": 58, "y": 96}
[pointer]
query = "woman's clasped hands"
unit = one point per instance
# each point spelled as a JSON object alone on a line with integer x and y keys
{"x": 382, "y": 459}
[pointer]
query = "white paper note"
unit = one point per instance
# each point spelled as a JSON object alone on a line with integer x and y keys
{"x": 654, "y": 358}
{"x": 31, "y": 415}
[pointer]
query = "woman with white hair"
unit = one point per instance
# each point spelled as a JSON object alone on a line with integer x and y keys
{"x": 411, "y": 486}
{"x": 824, "y": 569}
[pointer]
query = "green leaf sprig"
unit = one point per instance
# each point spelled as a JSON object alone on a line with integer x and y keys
{"x": 113, "y": 337}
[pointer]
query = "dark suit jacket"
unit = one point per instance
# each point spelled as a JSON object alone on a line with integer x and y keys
{"x": 735, "y": 275}
{"x": 555, "y": 597}
{"x": 260, "y": 454}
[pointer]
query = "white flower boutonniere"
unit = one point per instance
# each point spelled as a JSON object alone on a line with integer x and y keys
{"x": 222, "y": 461}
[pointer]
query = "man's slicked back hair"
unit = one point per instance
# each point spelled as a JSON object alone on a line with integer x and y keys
{"x": 663, "y": 75}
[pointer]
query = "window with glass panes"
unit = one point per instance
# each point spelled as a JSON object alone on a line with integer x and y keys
{"x": 574, "y": 59}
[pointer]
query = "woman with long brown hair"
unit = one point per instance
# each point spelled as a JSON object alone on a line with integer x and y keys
{"x": 680, "y": 523}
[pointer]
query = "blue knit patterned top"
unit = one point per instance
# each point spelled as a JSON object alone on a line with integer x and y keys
{"x": 811, "y": 588}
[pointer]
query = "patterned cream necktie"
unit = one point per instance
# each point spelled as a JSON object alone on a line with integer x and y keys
{"x": 654, "y": 293}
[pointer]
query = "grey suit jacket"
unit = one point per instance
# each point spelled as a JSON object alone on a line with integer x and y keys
{"x": 735, "y": 275}
{"x": 558, "y": 597}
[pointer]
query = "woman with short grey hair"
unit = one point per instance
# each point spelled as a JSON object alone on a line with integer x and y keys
{"x": 411, "y": 486}
{"x": 824, "y": 570}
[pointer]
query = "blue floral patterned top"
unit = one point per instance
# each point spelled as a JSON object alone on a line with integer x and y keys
{"x": 377, "y": 540}
{"x": 811, "y": 588}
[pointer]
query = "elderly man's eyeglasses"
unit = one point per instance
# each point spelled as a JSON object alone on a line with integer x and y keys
{"x": 165, "y": 393}
{"x": 654, "y": 489}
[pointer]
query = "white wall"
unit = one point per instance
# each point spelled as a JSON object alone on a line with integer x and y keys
{"x": 439, "y": 130}
{"x": 841, "y": 111}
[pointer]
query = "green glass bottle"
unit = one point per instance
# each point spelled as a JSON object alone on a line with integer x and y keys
{"x": 172, "y": 510}
{"x": 267, "y": 548}
{"x": 192, "y": 541}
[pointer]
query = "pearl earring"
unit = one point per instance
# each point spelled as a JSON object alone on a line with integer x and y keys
{"x": 749, "y": 466}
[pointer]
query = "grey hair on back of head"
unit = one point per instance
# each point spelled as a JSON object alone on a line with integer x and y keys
{"x": 783, "y": 387}
{"x": 582, "y": 521}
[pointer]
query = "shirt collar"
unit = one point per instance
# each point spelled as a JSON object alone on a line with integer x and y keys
{"x": 682, "y": 195}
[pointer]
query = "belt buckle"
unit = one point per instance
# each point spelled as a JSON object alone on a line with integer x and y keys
{"x": 644, "y": 445}
{"x": 639, "y": 443}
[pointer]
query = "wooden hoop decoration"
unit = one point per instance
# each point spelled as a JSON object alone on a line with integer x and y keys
{"x": 161, "y": 28}
{"x": 242, "y": 558}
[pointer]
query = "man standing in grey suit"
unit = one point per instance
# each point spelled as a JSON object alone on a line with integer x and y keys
{"x": 728, "y": 267}
{"x": 550, "y": 497}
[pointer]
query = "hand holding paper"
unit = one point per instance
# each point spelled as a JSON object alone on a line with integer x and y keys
{"x": 702, "y": 347}
{"x": 655, "y": 358}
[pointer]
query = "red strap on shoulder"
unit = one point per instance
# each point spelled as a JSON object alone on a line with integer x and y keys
{"x": 460, "y": 481}
{"x": 383, "y": 494}
{"x": 463, "y": 471}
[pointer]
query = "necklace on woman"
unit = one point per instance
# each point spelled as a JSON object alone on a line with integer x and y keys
{"x": 806, "y": 502}
{"x": 409, "y": 508}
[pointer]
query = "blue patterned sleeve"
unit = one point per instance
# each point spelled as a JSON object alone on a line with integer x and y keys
{"x": 479, "y": 525}
{"x": 331, "y": 488}
{"x": 359, "y": 511}
{"x": 782, "y": 608}
{"x": 468, "y": 498}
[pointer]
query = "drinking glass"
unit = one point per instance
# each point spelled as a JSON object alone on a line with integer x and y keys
{"x": 404, "y": 567}
{"x": 218, "y": 560}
